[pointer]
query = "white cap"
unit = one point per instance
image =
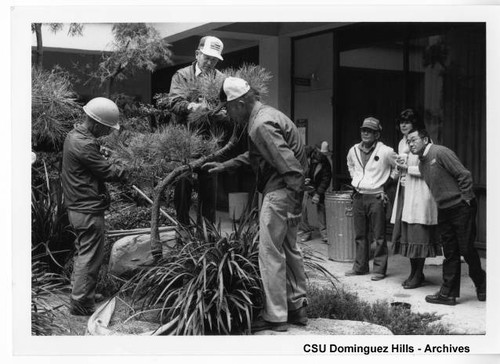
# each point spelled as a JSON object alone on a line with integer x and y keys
{"x": 324, "y": 147}
{"x": 235, "y": 87}
{"x": 211, "y": 46}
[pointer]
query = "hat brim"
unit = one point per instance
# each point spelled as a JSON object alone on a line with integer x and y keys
{"x": 368, "y": 127}
{"x": 212, "y": 54}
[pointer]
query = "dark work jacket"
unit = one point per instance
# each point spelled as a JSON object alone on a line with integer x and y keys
{"x": 178, "y": 97}
{"x": 84, "y": 171}
{"x": 320, "y": 173}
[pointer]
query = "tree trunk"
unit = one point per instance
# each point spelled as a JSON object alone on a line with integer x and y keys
{"x": 156, "y": 249}
{"x": 39, "y": 46}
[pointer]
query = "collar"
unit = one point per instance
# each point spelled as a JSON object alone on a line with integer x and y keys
{"x": 83, "y": 129}
{"x": 256, "y": 107}
{"x": 197, "y": 70}
{"x": 426, "y": 150}
{"x": 367, "y": 150}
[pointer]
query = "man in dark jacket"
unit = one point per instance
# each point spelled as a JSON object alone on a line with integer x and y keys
{"x": 451, "y": 186}
{"x": 207, "y": 55}
{"x": 318, "y": 178}
{"x": 84, "y": 171}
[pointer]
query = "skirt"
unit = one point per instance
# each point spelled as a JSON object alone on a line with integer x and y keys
{"x": 414, "y": 240}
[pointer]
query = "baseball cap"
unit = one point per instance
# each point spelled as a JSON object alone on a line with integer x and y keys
{"x": 211, "y": 46}
{"x": 371, "y": 123}
{"x": 232, "y": 88}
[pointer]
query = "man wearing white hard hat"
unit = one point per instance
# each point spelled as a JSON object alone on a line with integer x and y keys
{"x": 84, "y": 171}
{"x": 208, "y": 54}
{"x": 277, "y": 156}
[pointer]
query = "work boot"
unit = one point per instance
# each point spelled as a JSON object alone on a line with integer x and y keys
{"x": 298, "y": 316}
{"x": 78, "y": 309}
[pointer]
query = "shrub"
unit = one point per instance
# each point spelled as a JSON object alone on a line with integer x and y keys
{"x": 54, "y": 108}
{"x": 342, "y": 305}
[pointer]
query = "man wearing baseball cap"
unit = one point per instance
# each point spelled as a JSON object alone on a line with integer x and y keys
{"x": 371, "y": 166}
{"x": 277, "y": 156}
{"x": 208, "y": 54}
{"x": 84, "y": 171}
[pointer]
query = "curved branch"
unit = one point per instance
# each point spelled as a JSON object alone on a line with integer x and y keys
{"x": 156, "y": 249}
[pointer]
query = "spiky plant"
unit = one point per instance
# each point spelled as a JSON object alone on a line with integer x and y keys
{"x": 257, "y": 77}
{"x": 54, "y": 109}
{"x": 46, "y": 292}
{"x": 209, "y": 284}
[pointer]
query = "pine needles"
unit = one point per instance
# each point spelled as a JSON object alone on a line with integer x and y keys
{"x": 148, "y": 157}
{"x": 54, "y": 108}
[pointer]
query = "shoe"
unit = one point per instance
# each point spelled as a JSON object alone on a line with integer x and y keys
{"x": 77, "y": 309}
{"x": 438, "y": 298}
{"x": 414, "y": 283}
{"x": 377, "y": 277}
{"x": 261, "y": 325}
{"x": 298, "y": 316}
{"x": 352, "y": 272}
{"x": 481, "y": 291}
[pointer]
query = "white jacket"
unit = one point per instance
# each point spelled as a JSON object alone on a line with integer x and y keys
{"x": 369, "y": 179}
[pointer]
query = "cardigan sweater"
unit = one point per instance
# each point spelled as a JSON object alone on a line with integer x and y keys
{"x": 371, "y": 177}
{"x": 419, "y": 206}
{"x": 449, "y": 181}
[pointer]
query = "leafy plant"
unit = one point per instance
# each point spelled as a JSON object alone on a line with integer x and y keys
{"x": 54, "y": 108}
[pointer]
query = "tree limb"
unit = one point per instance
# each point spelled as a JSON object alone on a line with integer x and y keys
{"x": 156, "y": 249}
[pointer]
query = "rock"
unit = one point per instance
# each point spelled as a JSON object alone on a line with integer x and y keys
{"x": 130, "y": 252}
{"x": 321, "y": 326}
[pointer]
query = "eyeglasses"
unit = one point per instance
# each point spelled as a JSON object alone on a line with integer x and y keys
{"x": 413, "y": 140}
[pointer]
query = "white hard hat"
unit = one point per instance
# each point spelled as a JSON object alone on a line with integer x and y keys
{"x": 104, "y": 111}
{"x": 324, "y": 147}
{"x": 211, "y": 46}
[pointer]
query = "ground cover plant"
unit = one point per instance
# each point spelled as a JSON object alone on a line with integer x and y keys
{"x": 338, "y": 304}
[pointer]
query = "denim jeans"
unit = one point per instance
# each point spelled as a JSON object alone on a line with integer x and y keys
{"x": 457, "y": 226}
{"x": 369, "y": 215}
{"x": 280, "y": 258}
{"x": 89, "y": 243}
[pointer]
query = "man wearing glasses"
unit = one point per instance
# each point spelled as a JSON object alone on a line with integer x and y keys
{"x": 371, "y": 166}
{"x": 451, "y": 186}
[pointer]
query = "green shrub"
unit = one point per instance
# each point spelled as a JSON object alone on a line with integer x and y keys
{"x": 342, "y": 305}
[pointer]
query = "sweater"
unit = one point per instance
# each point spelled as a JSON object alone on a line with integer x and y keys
{"x": 449, "y": 181}
{"x": 419, "y": 206}
{"x": 371, "y": 177}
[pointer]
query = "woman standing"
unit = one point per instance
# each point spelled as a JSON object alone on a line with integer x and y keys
{"x": 414, "y": 215}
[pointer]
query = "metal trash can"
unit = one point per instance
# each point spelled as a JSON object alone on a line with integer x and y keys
{"x": 340, "y": 226}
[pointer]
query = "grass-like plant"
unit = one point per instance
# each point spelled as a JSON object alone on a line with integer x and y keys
{"x": 210, "y": 283}
{"x": 46, "y": 293}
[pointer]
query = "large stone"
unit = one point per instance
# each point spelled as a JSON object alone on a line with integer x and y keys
{"x": 130, "y": 252}
{"x": 322, "y": 326}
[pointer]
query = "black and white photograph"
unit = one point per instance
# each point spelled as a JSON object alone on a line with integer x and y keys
{"x": 254, "y": 179}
